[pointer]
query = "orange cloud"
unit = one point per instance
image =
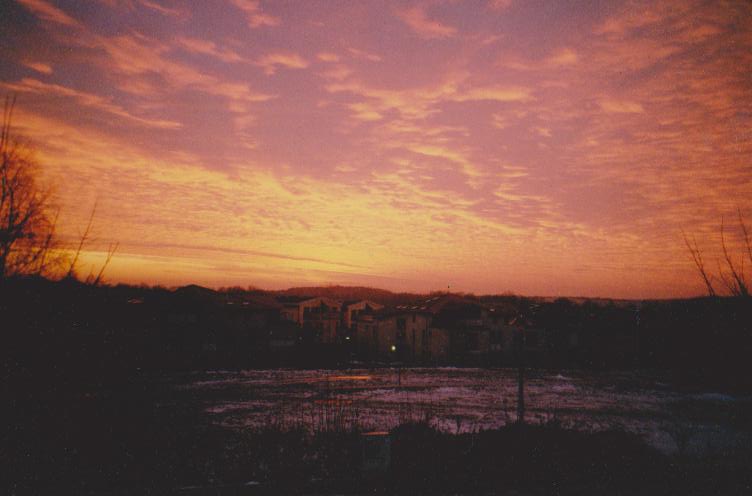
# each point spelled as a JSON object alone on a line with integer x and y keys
{"x": 494, "y": 93}
{"x": 49, "y": 12}
{"x": 328, "y": 57}
{"x": 40, "y": 67}
{"x": 565, "y": 56}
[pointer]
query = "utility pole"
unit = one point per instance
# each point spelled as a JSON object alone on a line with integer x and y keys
{"x": 521, "y": 376}
{"x": 399, "y": 365}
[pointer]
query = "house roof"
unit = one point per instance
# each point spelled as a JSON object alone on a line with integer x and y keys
{"x": 291, "y": 300}
{"x": 258, "y": 302}
{"x": 326, "y": 300}
{"x": 194, "y": 296}
{"x": 369, "y": 303}
{"x": 437, "y": 306}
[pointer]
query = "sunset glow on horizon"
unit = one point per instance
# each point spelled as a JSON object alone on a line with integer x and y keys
{"x": 540, "y": 148}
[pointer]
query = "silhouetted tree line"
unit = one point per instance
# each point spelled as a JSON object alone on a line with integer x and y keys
{"x": 695, "y": 340}
{"x": 91, "y": 331}
{"x": 353, "y": 293}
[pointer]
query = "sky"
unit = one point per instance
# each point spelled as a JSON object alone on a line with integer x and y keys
{"x": 534, "y": 147}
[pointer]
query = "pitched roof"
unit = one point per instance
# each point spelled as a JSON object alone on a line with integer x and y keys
{"x": 259, "y": 302}
{"x": 291, "y": 300}
{"x": 369, "y": 304}
{"x": 435, "y": 306}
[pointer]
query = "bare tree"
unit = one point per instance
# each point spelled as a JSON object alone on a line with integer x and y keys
{"x": 731, "y": 272}
{"x": 27, "y": 216}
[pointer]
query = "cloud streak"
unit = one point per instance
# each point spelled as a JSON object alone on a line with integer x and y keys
{"x": 29, "y": 85}
{"x": 50, "y": 13}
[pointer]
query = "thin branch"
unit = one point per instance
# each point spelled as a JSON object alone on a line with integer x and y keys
{"x": 47, "y": 245}
{"x": 730, "y": 286}
{"x": 740, "y": 287}
{"x": 694, "y": 250}
{"x": 82, "y": 242}
{"x": 110, "y": 252}
{"x": 10, "y": 103}
{"x": 745, "y": 232}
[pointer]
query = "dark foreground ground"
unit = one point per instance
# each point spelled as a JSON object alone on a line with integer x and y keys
{"x": 145, "y": 437}
{"x": 87, "y": 406}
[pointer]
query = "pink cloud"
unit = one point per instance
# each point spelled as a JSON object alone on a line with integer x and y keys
{"x": 500, "y": 4}
{"x": 417, "y": 19}
{"x": 621, "y": 107}
{"x": 270, "y": 62}
{"x": 256, "y": 16}
{"x": 205, "y": 47}
{"x": 166, "y": 11}
{"x": 28, "y": 85}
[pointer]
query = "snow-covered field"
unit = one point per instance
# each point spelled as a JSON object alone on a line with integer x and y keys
{"x": 456, "y": 400}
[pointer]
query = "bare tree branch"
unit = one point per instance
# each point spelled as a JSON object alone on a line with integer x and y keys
{"x": 727, "y": 282}
{"x": 47, "y": 246}
{"x": 694, "y": 250}
{"x": 745, "y": 233}
{"x": 82, "y": 242}
{"x": 738, "y": 284}
{"x": 110, "y": 252}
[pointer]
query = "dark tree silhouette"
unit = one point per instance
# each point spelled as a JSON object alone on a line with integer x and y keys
{"x": 27, "y": 215}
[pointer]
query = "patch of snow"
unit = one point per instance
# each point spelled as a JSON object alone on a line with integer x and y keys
{"x": 714, "y": 397}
